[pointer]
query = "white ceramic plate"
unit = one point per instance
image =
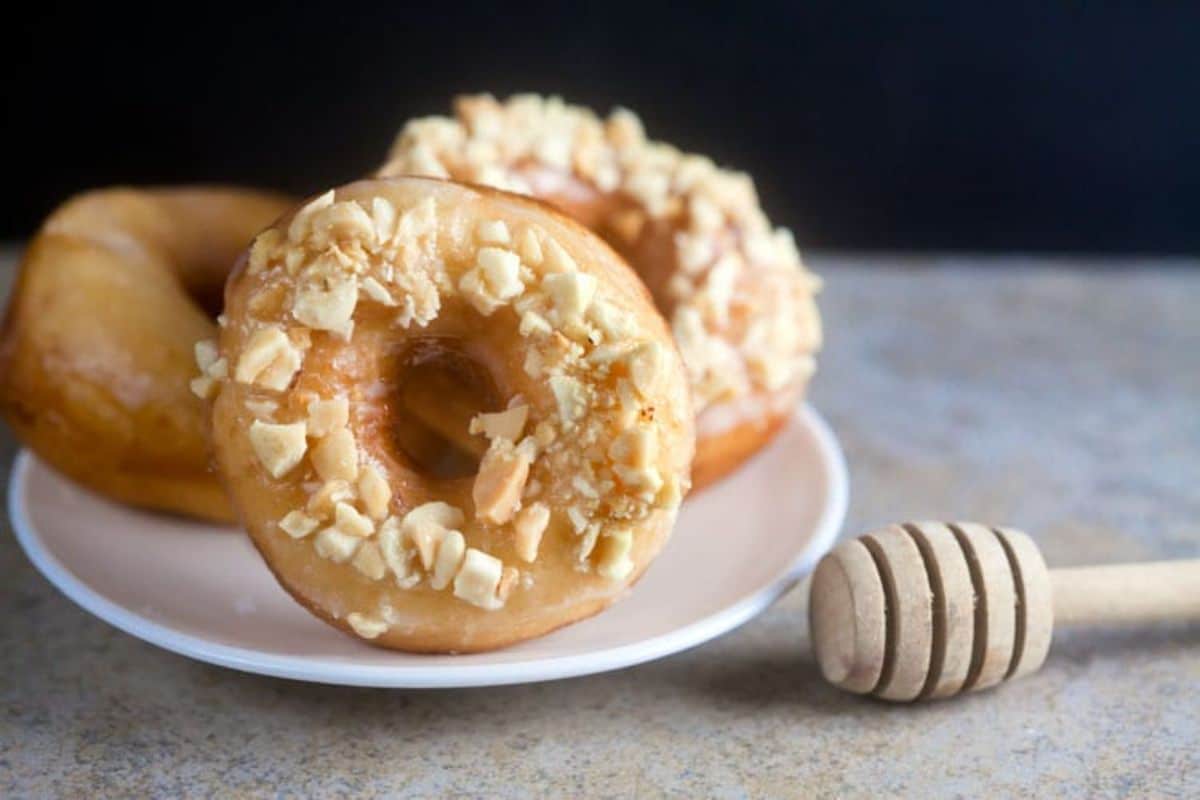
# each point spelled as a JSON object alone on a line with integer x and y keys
{"x": 203, "y": 591}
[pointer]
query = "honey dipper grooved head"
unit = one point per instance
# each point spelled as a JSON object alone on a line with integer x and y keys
{"x": 930, "y": 609}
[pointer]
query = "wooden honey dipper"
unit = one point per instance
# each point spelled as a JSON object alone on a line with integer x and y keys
{"x": 930, "y": 609}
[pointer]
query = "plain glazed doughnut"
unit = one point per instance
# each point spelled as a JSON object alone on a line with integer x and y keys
{"x": 534, "y": 336}
{"x": 96, "y": 352}
{"x": 737, "y": 296}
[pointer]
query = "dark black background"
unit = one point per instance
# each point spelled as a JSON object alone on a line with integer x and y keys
{"x": 1048, "y": 126}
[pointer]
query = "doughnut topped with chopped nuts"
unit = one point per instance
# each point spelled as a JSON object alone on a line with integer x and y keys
{"x": 451, "y": 418}
{"x": 739, "y": 300}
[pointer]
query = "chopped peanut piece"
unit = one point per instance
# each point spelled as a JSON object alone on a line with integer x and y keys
{"x": 493, "y": 281}
{"x": 571, "y": 293}
{"x": 299, "y": 227}
{"x": 646, "y": 366}
{"x": 637, "y": 447}
{"x": 279, "y": 447}
{"x": 203, "y": 387}
{"x": 377, "y": 292}
{"x": 612, "y": 321}
{"x": 571, "y": 398}
{"x": 529, "y": 248}
{"x": 206, "y": 354}
{"x": 492, "y": 232}
{"x": 704, "y": 213}
{"x": 343, "y": 223}
{"x": 335, "y": 545}
{"x": 534, "y": 324}
{"x": 383, "y": 216}
{"x": 671, "y": 495}
{"x": 478, "y": 579}
{"x": 508, "y": 424}
{"x": 327, "y": 307}
{"x": 366, "y": 627}
{"x": 369, "y": 561}
{"x": 349, "y": 520}
{"x": 529, "y": 525}
{"x": 218, "y": 370}
{"x": 395, "y": 554}
{"x": 375, "y": 492}
{"x": 645, "y": 480}
{"x": 449, "y": 556}
{"x": 500, "y": 481}
{"x": 501, "y": 269}
{"x": 325, "y": 416}
{"x": 322, "y": 501}
{"x": 557, "y": 259}
{"x": 427, "y": 524}
{"x": 261, "y": 252}
{"x": 336, "y": 456}
{"x": 508, "y": 581}
{"x": 613, "y": 555}
{"x": 297, "y": 524}
{"x": 269, "y": 359}
{"x": 588, "y": 543}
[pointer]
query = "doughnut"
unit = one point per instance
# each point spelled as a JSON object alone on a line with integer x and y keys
{"x": 96, "y": 352}
{"x": 738, "y": 298}
{"x": 452, "y": 418}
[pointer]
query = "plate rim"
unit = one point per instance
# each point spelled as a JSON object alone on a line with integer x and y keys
{"x": 535, "y": 670}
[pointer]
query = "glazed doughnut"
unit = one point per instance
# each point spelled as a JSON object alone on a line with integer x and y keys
{"x": 96, "y": 352}
{"x": 738, "y": 298}
{"x": 380, "y": 316}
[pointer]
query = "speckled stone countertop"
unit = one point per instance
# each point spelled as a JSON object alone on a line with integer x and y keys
{"x": 1033, "y": 392}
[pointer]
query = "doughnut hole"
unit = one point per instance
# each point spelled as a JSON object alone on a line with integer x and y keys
{"x": 439, "y": 388}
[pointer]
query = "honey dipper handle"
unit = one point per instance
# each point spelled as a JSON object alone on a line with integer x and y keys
{"x": 1161, "y": 590}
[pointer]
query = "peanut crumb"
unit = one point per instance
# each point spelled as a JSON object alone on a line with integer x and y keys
{"x": 449, "y": 555}
{"x": 297, "y": 524}
{"x": 571, "y": 398}
{"x": 336, "y": 545}
{"x": 427, "y": 524}
{"x": 269, "y": 359}
{"x": 507, "y": 424}
{"x": 556, "y": 258}
{"x": 369, "y": 561}
{"x": 392, "y": 548}
{"x": 529, "y": 525}
{"x": 571, "y": 293}
{"x": 203, "y": 387}
{"x": 478, "y": 579}
{"x": 279, "y": 447}
{"x": 529, "y": 248}
{"x": 327, "y": 305}
{"x": 349, "y": 519}
{"x": 325, "y": 416}
{"x": 377, "y": 291}
{"x": 613, "y": 561}
{"x": 336, "y": 456}
{"x": 508, "y": 581}
{"x": 492, "y": 232}
{"x": 322, "y": 501}
{"x": 500, "y": 481}
{"x": 366, "y": 627}
{"x": 375, "y": 492}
